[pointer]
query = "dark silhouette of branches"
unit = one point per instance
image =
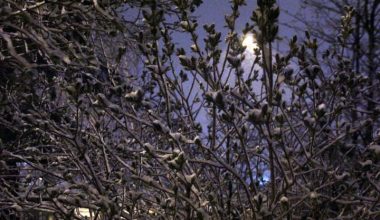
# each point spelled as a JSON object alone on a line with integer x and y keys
{"x": 106, "y": 112}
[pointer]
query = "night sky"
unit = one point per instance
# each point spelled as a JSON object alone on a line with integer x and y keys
{"x": 213, "y": 11}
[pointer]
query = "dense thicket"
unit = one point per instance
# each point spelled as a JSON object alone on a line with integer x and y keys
{"x": 101, "y": 109}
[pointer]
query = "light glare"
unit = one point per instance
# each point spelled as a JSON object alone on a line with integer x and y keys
{"x": 250, "y": 43}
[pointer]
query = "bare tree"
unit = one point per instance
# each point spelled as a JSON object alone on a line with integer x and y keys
{"x": 202, "y": 132}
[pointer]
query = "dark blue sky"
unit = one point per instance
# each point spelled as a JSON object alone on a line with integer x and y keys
{"x": 213, "y": 11}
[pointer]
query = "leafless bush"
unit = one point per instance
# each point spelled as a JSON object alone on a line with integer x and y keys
{"x": 201, "y": 132}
